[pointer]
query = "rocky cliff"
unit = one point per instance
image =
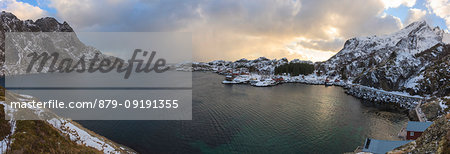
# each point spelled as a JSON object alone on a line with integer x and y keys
{"x": 66, "y": 44}
{"x": 413, "y": 59}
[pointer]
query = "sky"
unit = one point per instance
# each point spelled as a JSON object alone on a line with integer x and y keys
{"x": 234, "y": 29}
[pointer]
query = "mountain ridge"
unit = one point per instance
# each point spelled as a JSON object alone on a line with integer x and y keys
{"x": 58, "y": 37}
{"x": 392, "y": 62}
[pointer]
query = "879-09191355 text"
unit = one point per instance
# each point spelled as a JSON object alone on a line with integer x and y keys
{"x": 101, "y": 104}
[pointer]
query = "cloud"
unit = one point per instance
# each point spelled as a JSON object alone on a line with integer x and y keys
{"x": 22, "y": 10}
{"x": 235, "y": 29}
{"x": 441, "y": 8}
{"x": 416, "y": 15}
{"x": 324, "y": 45}
{"x": 397, "y": 3}
{"x": 324, "y": 24}
{"x": 309, "y": 53}
{"x": 90, "y": 14}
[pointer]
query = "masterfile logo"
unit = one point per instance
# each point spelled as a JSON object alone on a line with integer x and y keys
{"x": 104, "y": 65}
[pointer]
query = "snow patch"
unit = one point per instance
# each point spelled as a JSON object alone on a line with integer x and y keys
{"x": 413, "y": 82}
{"x": 80, "y": 136}
{"x": 5, "y": 141}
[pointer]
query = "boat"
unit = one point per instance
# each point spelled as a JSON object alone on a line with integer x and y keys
{"x": 328, "y": 83}
{"x": 242, "y": 79}
{"x": 253, "y": 81}
{"x": 229, "y": 82}
{"x": 265, "y": 83}
{"x": 229, "y": 78}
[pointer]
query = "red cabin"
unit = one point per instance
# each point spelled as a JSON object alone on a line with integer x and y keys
{"x": 415, "y": 129}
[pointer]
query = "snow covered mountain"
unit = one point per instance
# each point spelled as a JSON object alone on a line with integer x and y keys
{"x": 261, "y": 65}
{"x": 414, "y": 59}
{"x": 66, "y": 44}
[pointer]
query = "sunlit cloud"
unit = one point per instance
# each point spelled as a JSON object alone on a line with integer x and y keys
{"x": 309, "y": 53}
{"x": 415, "y": 15}
{"x": 88, "y": 14}
{"x": 22, "y": 10}
{"x": 397, "y": 3}
{"x": 441, "y": 8}
{"x": 249, "y": 29}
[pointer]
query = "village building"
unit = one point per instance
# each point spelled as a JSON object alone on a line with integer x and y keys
{"x": 381, "y": 146}
{"x": 415, "y": 129}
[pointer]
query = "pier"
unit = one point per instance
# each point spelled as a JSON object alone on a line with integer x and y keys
{"x": 420, "y": 114}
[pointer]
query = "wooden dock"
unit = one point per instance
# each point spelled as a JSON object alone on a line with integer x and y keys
{"x": 420, "y": 114}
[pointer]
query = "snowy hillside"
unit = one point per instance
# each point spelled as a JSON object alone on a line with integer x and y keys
{"x": 261, "y": 65}
{"x": 393, "y": 62}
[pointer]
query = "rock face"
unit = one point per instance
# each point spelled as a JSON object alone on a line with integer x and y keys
{"x": 66, "y": 44}
{"x": 431, "y": 109}
{"x": 10, "y": 23}
{"x": 413, "y": 59}
{"x": 49, "y": 24}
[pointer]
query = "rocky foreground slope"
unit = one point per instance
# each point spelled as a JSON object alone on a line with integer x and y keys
{"x": 435, "y": 139}
{"x": 51, "y": 134}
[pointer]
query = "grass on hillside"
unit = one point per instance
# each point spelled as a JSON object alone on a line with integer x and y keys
{"x": 34, "y": 136}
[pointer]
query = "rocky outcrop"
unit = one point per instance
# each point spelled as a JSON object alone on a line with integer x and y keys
{"x": 49, "y": 24}
{"x": 66, "y": 44}
{"x": 435, "y": 139}
{"x": 10, "y": 23}
{"x": 431, "y": 109}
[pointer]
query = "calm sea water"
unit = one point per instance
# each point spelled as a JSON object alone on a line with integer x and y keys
{"x": 288, "y": 118}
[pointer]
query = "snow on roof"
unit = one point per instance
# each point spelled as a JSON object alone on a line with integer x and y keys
{"x": 416, "y": 126}
{"x": 381, "y": 146}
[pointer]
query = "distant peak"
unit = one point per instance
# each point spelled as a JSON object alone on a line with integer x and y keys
{"x": 8, "y": 14}
{"x": 419, "y": 23}
{"x": 47, "y": 19}
{"x": 45, "y": 24}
